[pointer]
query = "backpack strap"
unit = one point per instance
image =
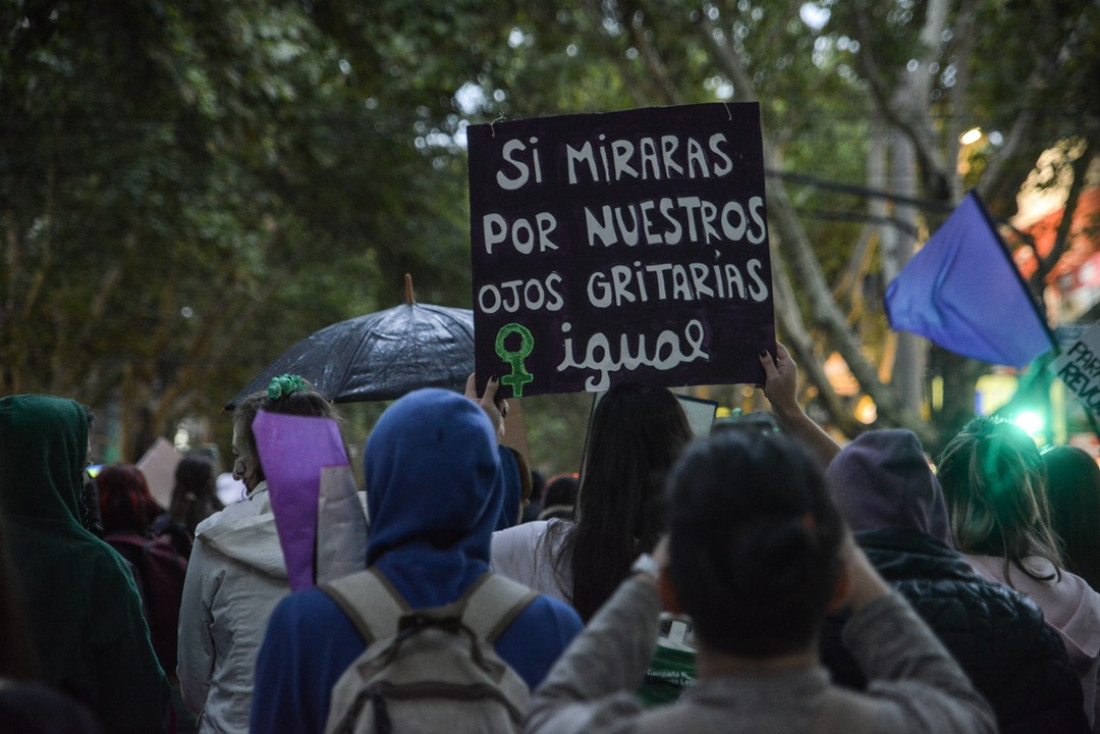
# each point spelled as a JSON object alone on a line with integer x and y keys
{"x": 487, "y": 608}
{"x": 370, "y": 601}
{"x": 492, "y": 604}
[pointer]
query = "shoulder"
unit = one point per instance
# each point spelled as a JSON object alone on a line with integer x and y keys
{"x": 524, "y": 535}
{"x": 537, "y": 637}
{"x": 109, "y": 562}
{"x": 330, "y": 632}
{"x": 546, "y": 610}
{"x": 530, "y": 537}
{"x": 309, "y": 606}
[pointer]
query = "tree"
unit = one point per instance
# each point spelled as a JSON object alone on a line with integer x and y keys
{"x": 834, "y": 80}
{"x": 188, "y": 188}
{"x": 185, "y": 186}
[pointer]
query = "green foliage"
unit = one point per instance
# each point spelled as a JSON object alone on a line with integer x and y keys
{"x": 186, "y": 189}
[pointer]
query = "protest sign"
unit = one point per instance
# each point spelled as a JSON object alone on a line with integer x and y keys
{"x": 622, "y": 246}
{"x": 1078, "y": 367}
{"x": 297, "y": 452}
{"x": 158, "y": 464}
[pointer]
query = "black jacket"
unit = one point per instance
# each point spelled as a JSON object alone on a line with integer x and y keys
{"x": 997, "y": 635}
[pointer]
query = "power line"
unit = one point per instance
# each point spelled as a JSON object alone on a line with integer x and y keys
{"x": 802, "y": 178}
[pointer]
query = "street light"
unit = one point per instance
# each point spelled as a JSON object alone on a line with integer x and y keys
{"x": 972, "y": 135}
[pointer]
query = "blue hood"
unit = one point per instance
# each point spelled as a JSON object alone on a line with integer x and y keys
{"x": 434, "y": 494}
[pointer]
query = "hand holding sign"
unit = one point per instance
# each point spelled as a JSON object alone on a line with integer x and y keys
{"x": 495, "y": 407}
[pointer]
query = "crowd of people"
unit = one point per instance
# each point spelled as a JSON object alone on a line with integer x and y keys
{"x": 749, "y": 580}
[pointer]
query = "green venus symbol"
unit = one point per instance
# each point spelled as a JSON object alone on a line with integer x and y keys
{"x": 520, "y": 376}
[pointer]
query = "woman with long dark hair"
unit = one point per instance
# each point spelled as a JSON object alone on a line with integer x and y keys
{"x": 1073, "y": 489}
{"x": 194, "y": 495}
{"x": 637, "y": 434}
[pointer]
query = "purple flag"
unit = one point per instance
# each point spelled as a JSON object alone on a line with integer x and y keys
{"x": 963, "y": 292}
{"x": 294, "y": 450}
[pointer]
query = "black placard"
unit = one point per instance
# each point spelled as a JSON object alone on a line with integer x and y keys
{"x": 623, "y": 246}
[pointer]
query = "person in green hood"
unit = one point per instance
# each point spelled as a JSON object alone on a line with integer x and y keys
{"x": 86, "y": 624}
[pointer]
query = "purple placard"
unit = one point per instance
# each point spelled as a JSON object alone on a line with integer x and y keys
{"x": 294, "y": 450}
{"x": 623, "y": 246}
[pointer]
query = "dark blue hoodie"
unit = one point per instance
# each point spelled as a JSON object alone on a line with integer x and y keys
{"x": 434, "y": 495}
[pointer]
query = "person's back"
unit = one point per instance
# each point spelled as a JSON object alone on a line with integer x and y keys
{"x": 83, "y": 606}
{"x": 756, "y": 554}
{"x": 431, "y": 467}
{"x": 998, "y": 636}
{"x": 993, "y": 482}
{"x": 235, "y": 578}
{"x": 128, "y": 510}
{"x": 637, "y": 433}
{"x": 886, "y": 491}
{"x": 236, "y": 575}
{"x": 527, "y": 553}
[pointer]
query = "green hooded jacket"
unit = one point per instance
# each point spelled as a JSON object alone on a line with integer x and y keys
{"x": 81, "y": 601}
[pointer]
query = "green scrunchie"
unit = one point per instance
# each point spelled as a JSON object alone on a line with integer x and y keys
{"x": 284, "y": 385}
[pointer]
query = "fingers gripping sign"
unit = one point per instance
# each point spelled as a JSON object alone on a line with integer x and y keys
{"x": 494, "y": 408}
{"x": 781, "y": 377}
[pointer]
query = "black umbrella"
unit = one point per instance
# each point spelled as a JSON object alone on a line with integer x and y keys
{"x": 382, "y": 355}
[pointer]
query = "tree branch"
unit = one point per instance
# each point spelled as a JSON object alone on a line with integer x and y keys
{"x": 911, "y": 119}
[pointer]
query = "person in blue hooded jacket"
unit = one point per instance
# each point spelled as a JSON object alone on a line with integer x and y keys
{"x": 434, "y": 497}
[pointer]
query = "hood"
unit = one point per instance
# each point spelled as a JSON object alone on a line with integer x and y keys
{"x": 511, "y": 489}
{"x": 433, "y": 481}
{"x": 43, "y": 448}
{"x": 907, "y": 555}
{"x": 245, "y": 531}
{"x": 882, "y": 481}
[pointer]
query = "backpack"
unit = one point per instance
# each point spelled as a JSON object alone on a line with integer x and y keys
{"x": 161, "y": 571}
{"x": 428, "y": 670}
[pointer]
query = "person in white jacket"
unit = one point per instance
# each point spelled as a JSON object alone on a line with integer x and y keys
{"x": 236, "y": 575}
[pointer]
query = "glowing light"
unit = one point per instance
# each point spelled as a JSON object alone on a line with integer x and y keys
{"x": 972, "y": 135}
{"x": 1030, "y": 421}
{"x": 866, "y": 411}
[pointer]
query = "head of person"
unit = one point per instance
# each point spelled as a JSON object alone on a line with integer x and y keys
{"x": 754, "y": 543}
{"x": 125, "y": 503}
{"x": 560, "y": 497}
{"x": 287, "y": 394}
{"x": 882, "y": 481}
{"x": 992, "y": 479}
{"x": 637, "y": 433}
{"x": 432, "y": 473}
{"x": 1073, "y": 490}
{"x": 43, "y": 452}
{"x": 194, "y": 495}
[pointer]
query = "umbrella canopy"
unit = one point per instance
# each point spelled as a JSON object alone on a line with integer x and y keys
{"x": 380, "y": 356}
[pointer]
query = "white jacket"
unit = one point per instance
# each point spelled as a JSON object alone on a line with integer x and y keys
{"x": 525, "y": 553}
{"x": 235, "y": 578}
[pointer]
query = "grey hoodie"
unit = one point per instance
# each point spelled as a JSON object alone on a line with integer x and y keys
{"x": 235, "y": 578}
